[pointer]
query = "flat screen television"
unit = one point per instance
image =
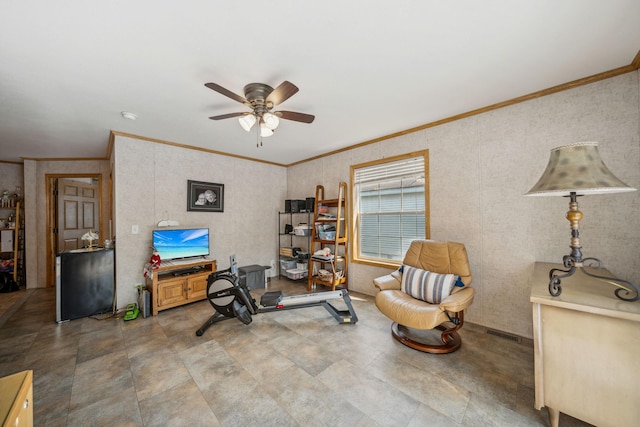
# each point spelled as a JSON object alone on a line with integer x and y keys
{"x": 181, "y": 243}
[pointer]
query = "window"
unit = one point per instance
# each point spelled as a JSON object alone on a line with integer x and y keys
{"x": 390, "y": 207}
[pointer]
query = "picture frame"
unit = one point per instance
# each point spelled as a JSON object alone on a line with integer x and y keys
{"x": 205, "y": 196}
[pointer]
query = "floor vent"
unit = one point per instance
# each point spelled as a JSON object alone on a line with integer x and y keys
{"x": 505, "y": 335}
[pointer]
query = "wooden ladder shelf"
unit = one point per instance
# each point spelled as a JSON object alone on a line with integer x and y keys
{"x": 330, "y": 232}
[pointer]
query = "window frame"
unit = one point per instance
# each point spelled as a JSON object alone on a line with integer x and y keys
{"x": 354, "y": 214}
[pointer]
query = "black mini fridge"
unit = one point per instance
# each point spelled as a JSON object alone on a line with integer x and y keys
{"x": 85, "y": 283}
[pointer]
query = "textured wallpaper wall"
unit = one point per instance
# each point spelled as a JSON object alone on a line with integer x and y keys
{"x": 150, "y": 182}
{"x": 481, "y": 166}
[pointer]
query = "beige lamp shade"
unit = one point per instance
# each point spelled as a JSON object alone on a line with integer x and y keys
{"x": 577, "y": 168}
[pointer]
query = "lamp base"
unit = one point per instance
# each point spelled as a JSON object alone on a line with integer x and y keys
{"x": 625, "y": 291}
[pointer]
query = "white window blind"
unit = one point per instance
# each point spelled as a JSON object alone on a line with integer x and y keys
{"x": 389, "y": 207}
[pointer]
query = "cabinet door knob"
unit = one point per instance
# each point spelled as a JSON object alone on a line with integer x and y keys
{"x": 25, "y": 405}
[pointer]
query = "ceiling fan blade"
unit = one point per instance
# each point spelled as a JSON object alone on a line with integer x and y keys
{"x": 227, "y": 116}
{"x": 226, "y": 92}
{"x": 297, "y": 117}
{"x": 283, "y": 92}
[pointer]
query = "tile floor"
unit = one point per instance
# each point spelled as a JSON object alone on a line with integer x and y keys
{"x": 291, "y": 368}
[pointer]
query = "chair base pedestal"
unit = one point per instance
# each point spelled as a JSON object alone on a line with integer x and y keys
{"x": 450, "y": 339}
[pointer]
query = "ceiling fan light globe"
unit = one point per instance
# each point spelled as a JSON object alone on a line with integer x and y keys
{"x": 265, "y": 131}
{"x": 271, "y": 120}
{"x": 247, "y": 121}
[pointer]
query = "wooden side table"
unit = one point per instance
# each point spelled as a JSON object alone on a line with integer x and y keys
{"x": 587, "y": 350}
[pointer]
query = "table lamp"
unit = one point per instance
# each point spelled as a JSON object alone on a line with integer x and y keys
{"x": 90, "y": 236}
{"x": 577, "y": 170}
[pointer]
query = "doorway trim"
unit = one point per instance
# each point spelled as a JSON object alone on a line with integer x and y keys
{"x": 50, "y": 179}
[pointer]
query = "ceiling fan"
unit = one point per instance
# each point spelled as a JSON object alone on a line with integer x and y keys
{"x": 262, "y": 99}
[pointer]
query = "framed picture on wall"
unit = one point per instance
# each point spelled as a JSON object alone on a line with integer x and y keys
{"x": 205, "y": 196}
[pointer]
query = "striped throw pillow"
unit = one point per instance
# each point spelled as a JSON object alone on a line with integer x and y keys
{"x": 426, "y": 285}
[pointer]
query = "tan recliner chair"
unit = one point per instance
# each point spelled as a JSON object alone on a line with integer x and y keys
{"x": 413, "y": 317}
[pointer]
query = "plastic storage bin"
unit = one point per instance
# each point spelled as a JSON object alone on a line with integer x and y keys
{"x": 288, "y": 264}
{"x": 328, "y": 235}
{"x": 296, "y": 274}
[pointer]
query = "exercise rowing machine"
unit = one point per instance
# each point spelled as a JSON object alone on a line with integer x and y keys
{"x": 231, "y": 299}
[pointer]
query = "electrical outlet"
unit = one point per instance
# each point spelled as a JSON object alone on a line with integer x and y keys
{"x": 135, "y": 229}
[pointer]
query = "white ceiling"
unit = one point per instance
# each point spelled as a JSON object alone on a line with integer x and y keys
{"x": 365, "y": 69}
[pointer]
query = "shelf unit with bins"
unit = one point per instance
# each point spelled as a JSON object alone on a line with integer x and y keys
{"x": 336, "y": 216}
{"x": 286, "y": 240}
{"x": 12, "y": 239}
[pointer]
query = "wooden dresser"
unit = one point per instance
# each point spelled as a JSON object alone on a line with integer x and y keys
{"x": 587, "y": 350}
{"x": 16, "y": 400}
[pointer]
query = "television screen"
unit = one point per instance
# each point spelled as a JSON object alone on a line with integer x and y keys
{"x": 183, "y": 243}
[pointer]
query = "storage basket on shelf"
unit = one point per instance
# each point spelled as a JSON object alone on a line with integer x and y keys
{"x": 327, "y": 275}
{"x": 286, "y": 252}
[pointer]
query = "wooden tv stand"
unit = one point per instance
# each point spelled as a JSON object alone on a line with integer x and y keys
{"x": 169, "y": 288}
